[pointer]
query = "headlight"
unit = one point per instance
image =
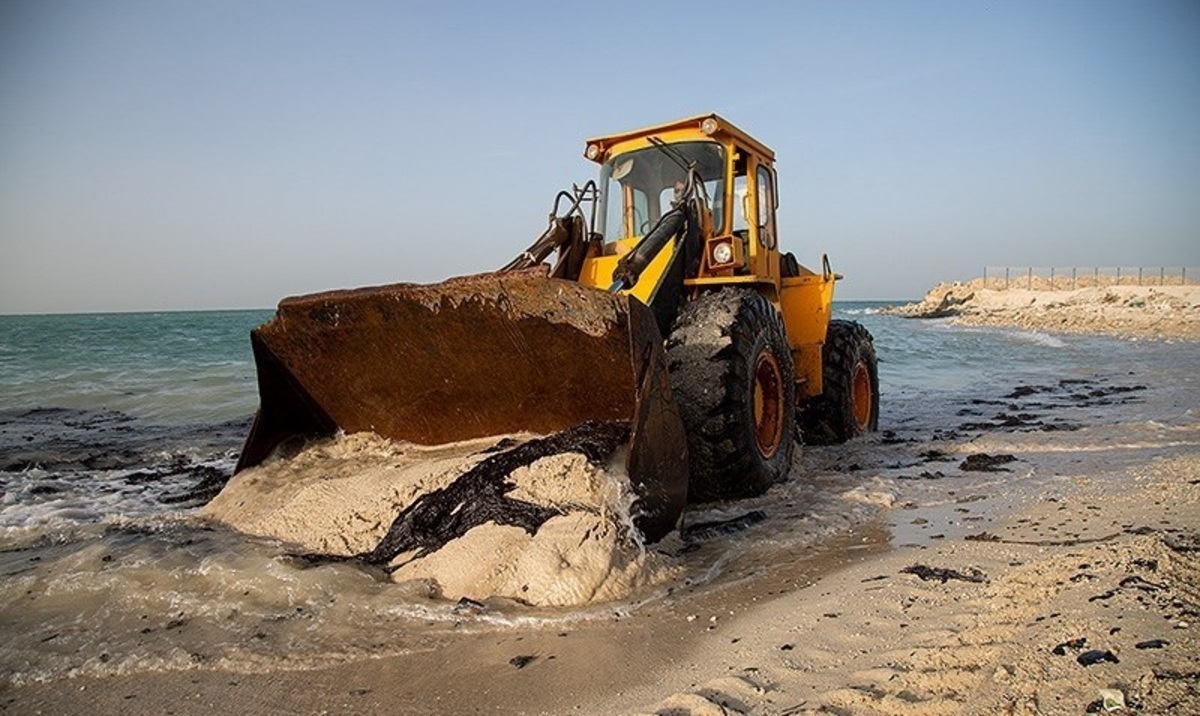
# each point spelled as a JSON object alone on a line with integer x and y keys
{"x": 722, "y": 253}
{"x": 593, "y": 151}
{"x": 709, "y": 126}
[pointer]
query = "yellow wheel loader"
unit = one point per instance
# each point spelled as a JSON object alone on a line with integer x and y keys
{"x": 657, "y": 297}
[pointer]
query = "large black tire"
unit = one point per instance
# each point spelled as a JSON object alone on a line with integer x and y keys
{"x": 732, "y": 377}
{"x": 849, "y": 402}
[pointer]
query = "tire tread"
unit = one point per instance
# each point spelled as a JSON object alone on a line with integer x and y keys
{"x": 710, "y": 353}
{"x": 828, "y": 419}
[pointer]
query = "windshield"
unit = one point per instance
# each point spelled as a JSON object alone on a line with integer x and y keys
{"x": 639, "y": 186}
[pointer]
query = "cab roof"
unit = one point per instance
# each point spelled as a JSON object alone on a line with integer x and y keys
{"x": 680, "y": 130}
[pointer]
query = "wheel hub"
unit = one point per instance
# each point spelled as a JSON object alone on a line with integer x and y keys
{"x": 768, "y": 404}
{"x": 861, "y": 395}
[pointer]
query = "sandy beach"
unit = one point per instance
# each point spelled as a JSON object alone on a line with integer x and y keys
{"x": 1155, "y": 312}
{"x": 1035, "y": 552}
{"x": 1090, "y": 586}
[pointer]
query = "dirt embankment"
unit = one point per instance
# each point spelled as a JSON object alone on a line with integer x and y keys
{"x": 1156, "y": 312}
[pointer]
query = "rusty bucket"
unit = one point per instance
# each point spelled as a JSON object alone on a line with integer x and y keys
{"x": 472, "y": 357}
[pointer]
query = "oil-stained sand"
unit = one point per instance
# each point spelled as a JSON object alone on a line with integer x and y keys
{"x": 545, "y": 521}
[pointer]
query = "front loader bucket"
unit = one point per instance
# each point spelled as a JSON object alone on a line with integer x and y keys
{"x": 473, "y": 357}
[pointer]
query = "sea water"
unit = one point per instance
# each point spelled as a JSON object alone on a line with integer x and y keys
{"x": 166, "y": 368}
{"x": 114, "y": 428}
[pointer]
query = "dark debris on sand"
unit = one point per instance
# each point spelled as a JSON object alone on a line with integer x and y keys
{"x": 1069, "y": 392}
{"x": 522, "y": 661}
{"x": 1071, "y": 644}
{"x": 943, "y": 575}
{"x": 1097, "y": 656}
{"x": 982, "y": 462}
{"x": 716, "y": 528}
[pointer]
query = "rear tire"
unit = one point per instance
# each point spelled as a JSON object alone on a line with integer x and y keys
{"x": 732, "y": 377}
{"x": 849, "y": 403}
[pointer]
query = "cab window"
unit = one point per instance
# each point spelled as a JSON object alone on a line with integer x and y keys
{"x": 766, "y": 208}
{"x": 741, "y": 205}
{"x": 637, "y": 187}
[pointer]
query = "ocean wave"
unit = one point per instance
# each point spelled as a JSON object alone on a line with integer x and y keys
{"x": 1039, "y": 338}
{"x": 859, "y": 311}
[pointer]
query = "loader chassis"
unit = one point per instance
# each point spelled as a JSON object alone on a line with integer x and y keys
{"x": 658, "y": 298}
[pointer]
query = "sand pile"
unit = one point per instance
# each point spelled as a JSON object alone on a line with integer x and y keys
{"x": 1162, "y": 312}
{"x": 554, "y": 532}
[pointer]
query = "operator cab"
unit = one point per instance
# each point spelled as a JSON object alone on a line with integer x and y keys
{"x": 638, "y": 180}
{"x": 638, "y": 187}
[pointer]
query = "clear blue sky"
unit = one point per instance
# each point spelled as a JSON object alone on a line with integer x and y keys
{"x": 169, "y": 155}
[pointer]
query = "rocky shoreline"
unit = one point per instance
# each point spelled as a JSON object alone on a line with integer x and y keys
{"x": 1134, "y": 312}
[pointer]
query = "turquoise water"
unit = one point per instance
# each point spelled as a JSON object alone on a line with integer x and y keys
{"x": 192, "y": 368}
{"x": 183, "y": 367}
{"x": 87, "y": 401}
{"x": 929, "y": 366}
{"x": 166, "y": 367}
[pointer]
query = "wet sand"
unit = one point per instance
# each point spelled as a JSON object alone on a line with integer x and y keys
{"x": 1096, "y": 568}
{"x": 962, "y": 595}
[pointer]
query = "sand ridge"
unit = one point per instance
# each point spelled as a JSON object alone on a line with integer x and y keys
{"x": 1157, "y": 312}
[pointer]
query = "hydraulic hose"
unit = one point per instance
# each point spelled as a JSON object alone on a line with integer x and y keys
{"x": 632, "y": 264}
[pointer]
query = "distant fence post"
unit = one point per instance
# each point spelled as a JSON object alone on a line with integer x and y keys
{"x": 1049, "y": 276}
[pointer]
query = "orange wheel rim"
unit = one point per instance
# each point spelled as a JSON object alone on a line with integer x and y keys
{"x": 861, "y": 395}
{"x": 768, "y": 404}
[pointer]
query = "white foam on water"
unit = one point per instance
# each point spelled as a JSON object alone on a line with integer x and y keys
{"x": 1041, "y": 339}
{"x": 37, "y": 497}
